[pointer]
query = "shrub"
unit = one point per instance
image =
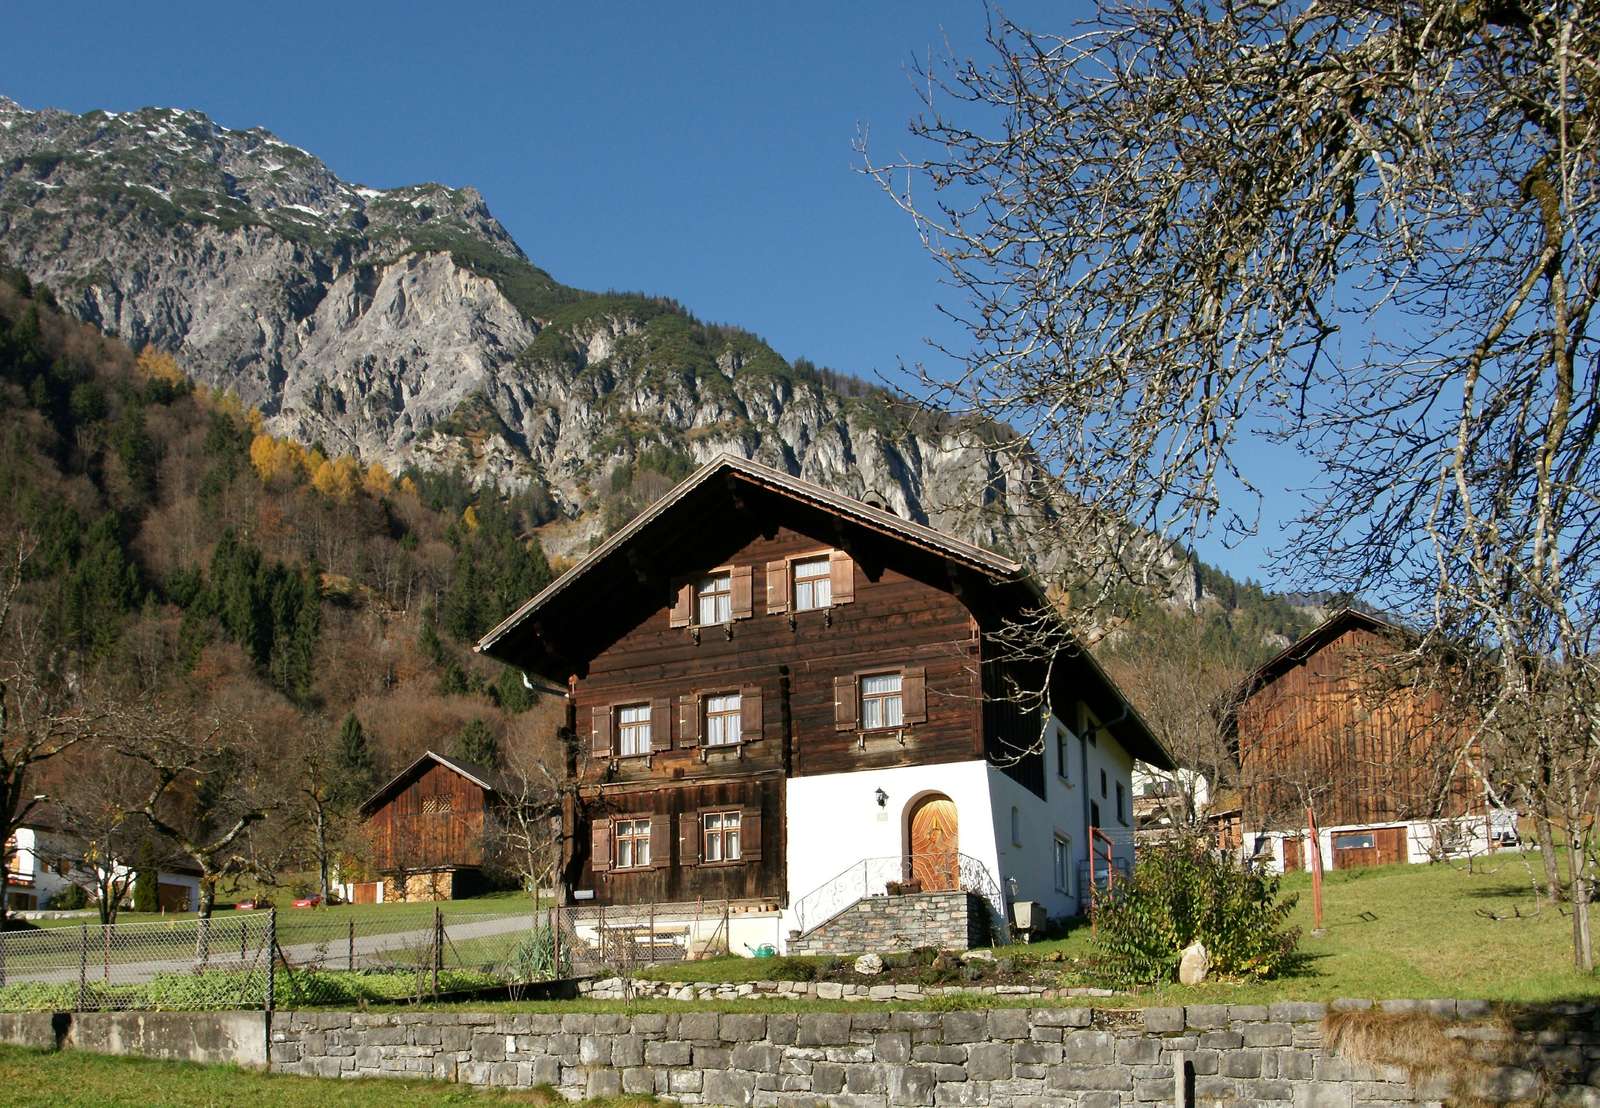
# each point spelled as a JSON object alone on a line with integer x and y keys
{"x": 1184, "y": 891}
{"x": 792, "y": 969}
{"x": 69, "y": 899}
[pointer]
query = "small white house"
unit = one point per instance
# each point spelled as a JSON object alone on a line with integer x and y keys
{"x": 43, "y": 861}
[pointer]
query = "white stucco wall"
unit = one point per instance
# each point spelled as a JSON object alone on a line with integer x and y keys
{"x": 834, "y": 819}
{"x": 1473, "y": 840}
{"x": 39, "y": 854}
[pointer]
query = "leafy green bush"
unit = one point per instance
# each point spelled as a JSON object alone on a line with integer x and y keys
{"x": 69, "y": 899}
{"x": 792, "y": 969}
{"x": 1184, "y": 891}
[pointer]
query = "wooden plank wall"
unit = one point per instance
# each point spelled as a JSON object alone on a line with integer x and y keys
{"x": 407, "y": 837}
{"x": 1316, "y": 732}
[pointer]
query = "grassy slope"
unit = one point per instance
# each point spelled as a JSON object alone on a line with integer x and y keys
{"x": 1424, "y": 938}
{"x": 74, "y": 1080}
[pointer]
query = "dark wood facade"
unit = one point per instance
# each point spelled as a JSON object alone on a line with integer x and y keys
{"x": 430, "y": 817}
{"x": 1328, "y": 724}
{"x": 624, "y": 633}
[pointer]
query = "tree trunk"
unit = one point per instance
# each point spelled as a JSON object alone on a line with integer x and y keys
{"x": 1577, "y": 866}
{"x": 208, "y": 896}
{"x": 5, "y": 885}
{"x": 322, "y": 852}
{"x": 1547, "y": 851}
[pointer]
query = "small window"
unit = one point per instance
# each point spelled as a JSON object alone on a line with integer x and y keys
{"x": 880, "y": 702}
{"x": 720, "y": 837}
{"x": 1016, "y": 826}
{"x": 633, "y": 730}
{"x": 1122, "y": 805}
{"x": 1102, "y": 784}
{"x": 633, "y": 843}
{"x": 1063, "y": 863}
{"x": 1356, "y": 840}
{"x": 1094, "y": 816}
{"x": 722, "y": 720}
{"x": 714, "y": 600}
{"x": 813, "y": 584}
{"x": 1063, "y": 752}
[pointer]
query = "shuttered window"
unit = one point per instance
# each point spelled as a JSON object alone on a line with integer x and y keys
{"x": 633, "y": 729}
{"x": 723, "y": 720}
{"x": 813, "y": 584}
{"x": 714, "y": 600}
{"x": 632, "y": 843}
{"x": 720, "y": 838}
{"x": 880, "y": 701}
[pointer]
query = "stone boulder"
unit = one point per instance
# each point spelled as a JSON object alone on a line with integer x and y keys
{"x": 869, "y": 965}
{"x": 1194, "y": 966}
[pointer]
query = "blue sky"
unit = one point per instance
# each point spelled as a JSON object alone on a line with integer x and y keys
{"x": 699, "y": 151}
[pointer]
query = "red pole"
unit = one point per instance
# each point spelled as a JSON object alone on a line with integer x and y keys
{"x": 1316, "y": 869}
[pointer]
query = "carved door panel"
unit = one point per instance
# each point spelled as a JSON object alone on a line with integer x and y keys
{"x": 935, "y": 841}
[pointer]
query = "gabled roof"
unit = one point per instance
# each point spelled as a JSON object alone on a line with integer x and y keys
{"x": 478, "y": 775}
{"x": 625, "y": 567}
{"x": 965, "y": 553}
{"x": 1340, "y": 622}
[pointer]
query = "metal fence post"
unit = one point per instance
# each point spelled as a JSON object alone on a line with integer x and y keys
{"x": 555, "y": 939}
{"x": 352, "y": 943}
{"x": 438, "y": 945}
{"x": 2, "y": 957}
{"x": 83, "y": 967}
{"x": 271, "y": 946}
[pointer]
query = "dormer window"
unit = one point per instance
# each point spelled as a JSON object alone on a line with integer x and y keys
{"x": 813, "y": 584}
{"x": 714, "y": 600}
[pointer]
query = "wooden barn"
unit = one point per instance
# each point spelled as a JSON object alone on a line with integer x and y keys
{"x": 428, "y": 831}
{"x": 1330, "y": 725}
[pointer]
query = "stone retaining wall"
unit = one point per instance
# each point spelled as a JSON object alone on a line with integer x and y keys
{"x": 947, "y": 921}
{"x": 615, "y": 988}
{"x": 1060, "y": 1057}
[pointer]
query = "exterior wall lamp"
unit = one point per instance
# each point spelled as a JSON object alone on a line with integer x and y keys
{"x": 882, "y": 797}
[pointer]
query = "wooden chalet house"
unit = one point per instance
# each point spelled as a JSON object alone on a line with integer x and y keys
{"x": 429, "y": 829}
{"x": 783, "y": 700}
{"x": 1378, "y": 768}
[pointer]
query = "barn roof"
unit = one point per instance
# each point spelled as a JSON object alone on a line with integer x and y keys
{"x": 484, "y": 778}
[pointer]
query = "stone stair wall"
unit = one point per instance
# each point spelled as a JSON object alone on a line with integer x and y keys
{"x": 945, "y": 920}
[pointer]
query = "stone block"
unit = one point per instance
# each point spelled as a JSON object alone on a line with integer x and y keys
{"x": 1245, "y": 1013}
{"x": 1296, "y": 1011}
{"x": 488, "y": 1047}
{"x": 684, "y": 1081}
{"x": 735, "y": 1027}
{"x": 989, "y": 1061}
{"x": 865, "y": 1078}
{"x": 822, "y": 1029}
{"x": 965, "y": 1027}
{"x": 729, "y": 1087}
{"x": 1161, "y": 1021}
{"x": 593, "y": 1050}
{"x": 1138, "y": 1050}
{"x": 1206, "y": 1015}
{"x": 910, "y": 1085}
{"x": 668, "y": 1052}
{"x": 627, "y": 1050}
{"x": 698, "y": 1026}
{"x": 1267, "y": 1034}
{"x": 759, "y": 1057}
{"x": 892, "y": 1046}
{"x": 1038, "y": 1054}
{"x": 1071, "y": 1079}
{"x": 639, "y": 1080}
{"x": 1008, "y": 1023}
{"x": 1241, "y": 1063}
{"x": 1089, "y": 1048}
{"x": 545, "y": 1071}
{"x": 1221, "y": 1040}
{"x": 781, "y": 1029}
{"x": 1296, "y": 1065}
{"x": 711, "y": 1057}
{"x": 827, "y": 1078}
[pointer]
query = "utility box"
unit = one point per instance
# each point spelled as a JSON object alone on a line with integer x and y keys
{"x": 1028, "y": 917}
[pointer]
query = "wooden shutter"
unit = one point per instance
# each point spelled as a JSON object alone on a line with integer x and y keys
{"x": 741, "y": 587}
{"x": 777, "y": 587}
{"x": 600, "y": 845}
{"x": 661, "y": 724}
{"x": 600, "y": 731}
{"x": 914, "y": 694}
{"x": 750, "y": 834}
{"x": 842, "y": 577}
{"x": 750, "y": 713}
{"x": 689, "y": 720}
{"x": 844, "y": 704}
{"x": 660, "y": 841}
{"x": 682, "y": 606}
{"x": 688, "y": 838}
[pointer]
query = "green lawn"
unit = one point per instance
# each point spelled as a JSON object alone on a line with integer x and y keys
{"x": 74, "y": 1080}
{"x": 1396, "y": 931}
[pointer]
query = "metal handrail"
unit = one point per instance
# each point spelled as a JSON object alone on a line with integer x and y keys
{"x": 871, "y": 877}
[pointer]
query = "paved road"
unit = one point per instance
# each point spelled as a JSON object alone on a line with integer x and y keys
{"x": 334, "y": 953}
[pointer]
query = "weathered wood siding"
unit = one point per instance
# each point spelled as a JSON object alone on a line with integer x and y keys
{"x": 797, "y": 664}
{"x": 1319, "y": 733}
{"x": 436, "y": 821}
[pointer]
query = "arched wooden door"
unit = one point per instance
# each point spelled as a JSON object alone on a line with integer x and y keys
{"x": 935, "y": 842}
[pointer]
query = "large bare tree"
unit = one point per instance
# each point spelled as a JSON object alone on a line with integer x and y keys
{"x": 1366, "y": 232}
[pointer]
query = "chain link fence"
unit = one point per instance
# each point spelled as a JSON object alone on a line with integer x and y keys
{"x": 266, "y": 959}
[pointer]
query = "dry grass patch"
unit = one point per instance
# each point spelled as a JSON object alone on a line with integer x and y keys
{"x": 1467, "y": 1072}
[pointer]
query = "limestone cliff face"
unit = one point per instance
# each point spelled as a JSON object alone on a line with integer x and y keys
{"x": 406, "y": 326}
